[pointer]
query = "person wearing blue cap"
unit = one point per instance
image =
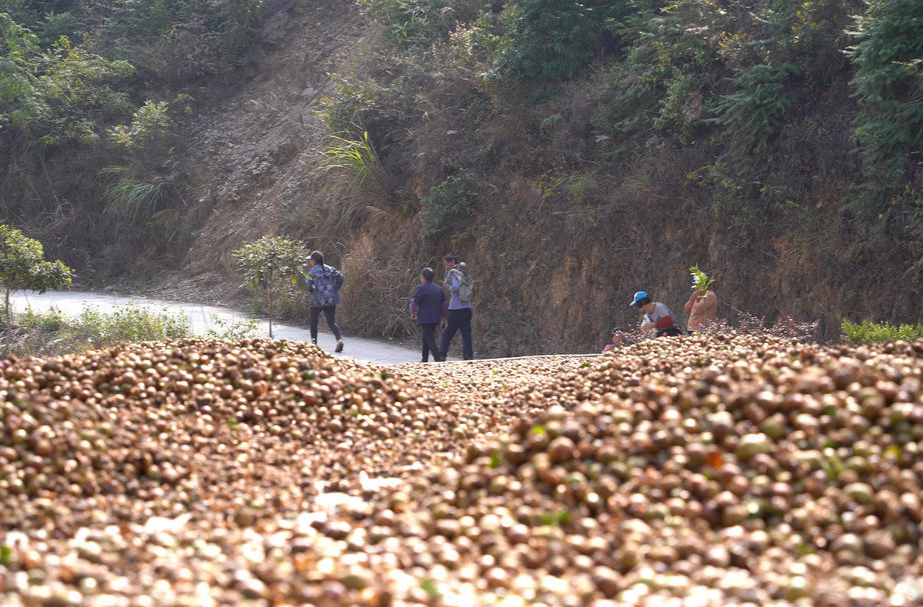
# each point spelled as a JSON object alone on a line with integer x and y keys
{"x": 657, "y": 319}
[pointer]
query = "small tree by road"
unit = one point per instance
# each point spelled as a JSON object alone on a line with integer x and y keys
{"x": 269, "y": 264}
{"x": 22, "y": 266}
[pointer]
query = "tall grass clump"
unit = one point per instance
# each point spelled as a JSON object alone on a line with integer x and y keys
{"x": 358, "y": 163}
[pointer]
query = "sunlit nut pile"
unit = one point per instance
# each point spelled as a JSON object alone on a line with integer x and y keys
{"x": 157, "y": 428}
{"x": 479, "y": 390}
{"x": 679, "y": 471}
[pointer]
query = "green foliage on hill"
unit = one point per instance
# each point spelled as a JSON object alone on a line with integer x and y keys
{"x": 775, "y": 106}
{"x": 94, "y": 96}
{"x": 889, "y": 83}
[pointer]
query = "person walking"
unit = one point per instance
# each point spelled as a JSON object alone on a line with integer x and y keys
{"x": 657, "y": 319}
{"x": 324, "y": 284}
{"x": 461, "y": 286}
{"x": 429, "y": 307}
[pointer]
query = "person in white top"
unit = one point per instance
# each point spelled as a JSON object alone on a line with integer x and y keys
{"x": 657, "y": 319}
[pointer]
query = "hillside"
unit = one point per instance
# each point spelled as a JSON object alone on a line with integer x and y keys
{"x": 553, "y": 230}
{"x": 568, "y": 175}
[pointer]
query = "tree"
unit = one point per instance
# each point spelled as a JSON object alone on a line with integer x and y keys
{"x": 22, "y": 266}
{"x": 268, "y": 264}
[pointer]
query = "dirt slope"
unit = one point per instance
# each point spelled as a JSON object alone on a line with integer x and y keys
{"x": 250, "y": 147}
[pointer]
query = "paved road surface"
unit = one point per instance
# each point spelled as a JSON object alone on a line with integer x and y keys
{"x": 201, "y": 317}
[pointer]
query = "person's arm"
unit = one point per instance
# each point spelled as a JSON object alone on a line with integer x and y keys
{"x": 309, "y": 280}
{"x": 452, "y": 283}
{"x": 415, "y": 302}
{"x": 711, "y": 306}
{"x": 445, "y": 311}
{"x": 688, "y": 307}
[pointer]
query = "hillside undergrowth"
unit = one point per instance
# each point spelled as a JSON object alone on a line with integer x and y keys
{"x": 572, "y": 153}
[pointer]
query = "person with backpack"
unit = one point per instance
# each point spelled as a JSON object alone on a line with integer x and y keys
{"x": 461, "y": 287}
{"x": 657, "y": 319}
{"x": 323, "y": 283}
{"x": 428, "y": 306}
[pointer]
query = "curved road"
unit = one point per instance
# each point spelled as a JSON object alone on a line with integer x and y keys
{"x": 201, "y": 318}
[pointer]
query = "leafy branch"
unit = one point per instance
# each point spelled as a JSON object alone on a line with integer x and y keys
{"x": 700, "y": 280}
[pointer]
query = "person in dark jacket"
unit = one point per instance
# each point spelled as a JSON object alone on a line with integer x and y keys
{"x": 428, "y": 307}
{"x": 324, "y": 284}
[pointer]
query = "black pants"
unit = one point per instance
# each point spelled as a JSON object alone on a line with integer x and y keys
{"x": 458, "y": 319}
{"x": 330, "y": 313}
{"x": 429, "y": 341}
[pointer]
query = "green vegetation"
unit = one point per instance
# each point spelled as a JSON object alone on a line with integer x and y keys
{"x": 358, "y": 164}
{"x": 22, "y": 266}
{"x": 232, "y": 330}
{"x": 872, "y": 333}
{"x": 788, "y": 133}
{"x": 889, "y": 56}
{"x": 53, "y": 333}
{"x": 726, "y": 79}
{"x": 550, "y": 39}
{"x": 95, "y": 99}
{"x": 700, "y": 279}
{"x": 447, "y": 202}
{"x": 272, "y": 265}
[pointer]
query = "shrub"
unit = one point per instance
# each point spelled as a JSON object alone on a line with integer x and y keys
{"x": 231, "y": 330}
{"x": 664, "y": 80}
{"x": 128, "y": 324}
{"x": 51, "y": 321}
{"x": 870, "y": 333}
{"x": 180, "y": 41}
{"x": 358, "y": 162}
{"x": 22, "y": 266}
{"x": 552, "y": 39}
{"x": 753, "y": 115}
{"x": 271, "y": 265}
{"x": 447, "y": 203}
{"x": 420, "y": 23}
{"x": 888, "y": 83}
{"x": 59, "y": 96}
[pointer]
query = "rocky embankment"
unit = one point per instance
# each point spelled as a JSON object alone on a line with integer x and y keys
{"x": 688, "y": 471}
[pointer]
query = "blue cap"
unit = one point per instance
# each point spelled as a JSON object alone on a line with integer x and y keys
{"x": 640, "y": 295}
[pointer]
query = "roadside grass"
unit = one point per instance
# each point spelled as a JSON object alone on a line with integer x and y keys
{"x": 866, "y": 332}
{"x": 52, "y": 333}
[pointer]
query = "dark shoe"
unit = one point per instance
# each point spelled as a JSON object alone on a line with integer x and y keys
{"x": 339, "y": 347}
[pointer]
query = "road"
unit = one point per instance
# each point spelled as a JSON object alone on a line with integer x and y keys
{"x": 202, "y": 317}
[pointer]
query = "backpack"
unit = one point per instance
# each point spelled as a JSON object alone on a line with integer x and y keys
{"x": 465, "y": 283}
